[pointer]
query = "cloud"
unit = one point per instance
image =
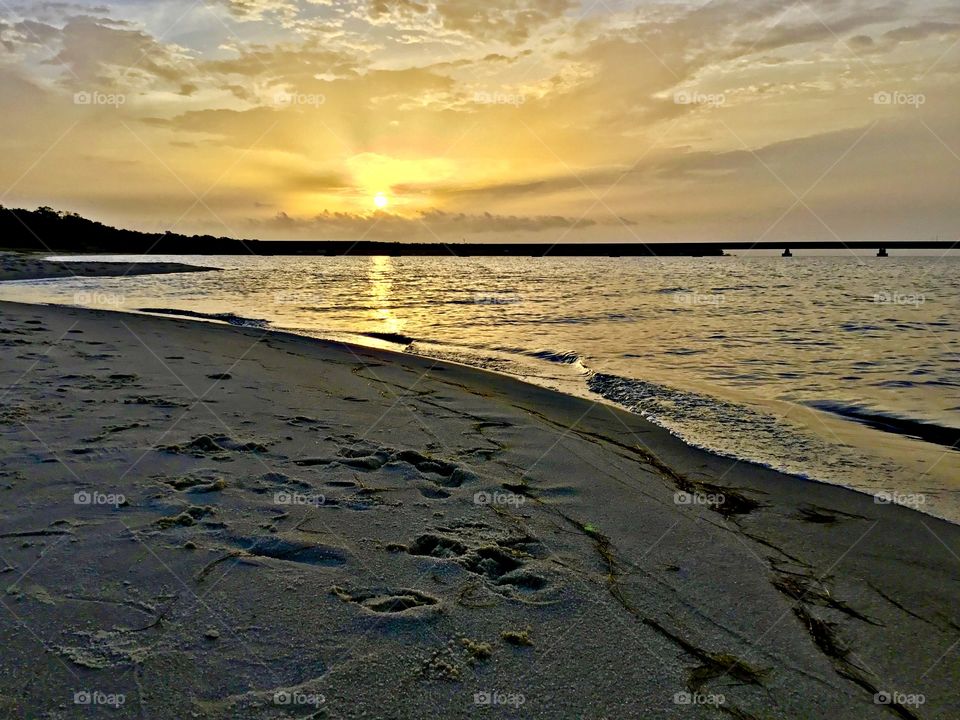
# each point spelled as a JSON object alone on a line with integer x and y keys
{"x": 813, "y": 24}
{"x": 428, "y": 225}
{"x": 921, "y": 31}
{"x": 511, "y": 22}
{"x": 384, "y": 8}
{"x": 283, "y": 62}
{"x": 105, "y": 53}
{"x": 541, "y": 187}
{"x": 31, "y": 32}
{"x": 255, "y": 10}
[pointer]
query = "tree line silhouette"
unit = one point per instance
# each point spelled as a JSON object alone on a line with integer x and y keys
{"x": 46, "y": 229}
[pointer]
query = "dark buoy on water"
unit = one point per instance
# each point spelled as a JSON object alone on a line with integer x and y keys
{"x": 787, "y": 253}
{"x": 882, "y": 252}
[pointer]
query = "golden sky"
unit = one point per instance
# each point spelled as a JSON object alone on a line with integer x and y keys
{"x": 538, "y": 120}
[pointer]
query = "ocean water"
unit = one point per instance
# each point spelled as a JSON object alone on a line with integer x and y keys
{"x": 839, "y": 369}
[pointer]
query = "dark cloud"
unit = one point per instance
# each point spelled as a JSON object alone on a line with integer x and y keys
{"x": 921, "y": 31}
{"x": 821, "y": 24}
{"x": 428, "y": 225}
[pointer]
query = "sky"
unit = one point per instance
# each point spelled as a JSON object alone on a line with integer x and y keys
{"x": 533, "y": 120}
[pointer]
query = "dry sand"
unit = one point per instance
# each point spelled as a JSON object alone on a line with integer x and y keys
{"x": 311, "y": 529}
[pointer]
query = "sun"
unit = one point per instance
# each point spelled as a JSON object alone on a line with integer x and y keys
{"x": 380, "y": 200}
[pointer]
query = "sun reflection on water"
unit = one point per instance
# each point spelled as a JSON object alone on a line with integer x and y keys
{"x": 380, "y": 273}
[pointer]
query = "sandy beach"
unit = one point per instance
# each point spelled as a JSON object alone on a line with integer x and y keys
{"x": 216, "y": 522}
{"x": 529, "y": 359}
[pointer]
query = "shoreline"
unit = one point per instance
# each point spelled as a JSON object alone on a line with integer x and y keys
{"x": 589, "y": 397}
{"x": 597, "y": 536}
{"x": 912, "y": 495}
{"x": 886, "y": 495}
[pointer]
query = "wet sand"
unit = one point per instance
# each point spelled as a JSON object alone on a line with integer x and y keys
{"x": 207, "y": 521}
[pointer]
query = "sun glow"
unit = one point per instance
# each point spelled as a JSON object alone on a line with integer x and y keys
{"x": 380, "y": 200}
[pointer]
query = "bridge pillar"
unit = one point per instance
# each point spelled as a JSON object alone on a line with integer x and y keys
{"x": 882, "y": 252}
{"x": 787, "y": 253}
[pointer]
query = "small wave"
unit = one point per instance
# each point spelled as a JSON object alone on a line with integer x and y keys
{"x": 892, "y": 423}
{"x": 729, "y": 429}
{"x": 229, "y": 318}
{"x": 398, "y": 338}
{"x": 737, "y": 288}
{"x": 859, "y": 327}
{"x": 564, "y": 358}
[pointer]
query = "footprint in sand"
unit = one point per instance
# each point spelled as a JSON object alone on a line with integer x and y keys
{"x": 439, "y": 472}
{"x": 502, "y": 563}
{"x": 203, "y": 445}
{"x": 386, "y": 601}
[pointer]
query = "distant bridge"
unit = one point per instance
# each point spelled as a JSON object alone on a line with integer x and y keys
{"x": 634, "y": 249}
{"x": 882, "y": 248}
